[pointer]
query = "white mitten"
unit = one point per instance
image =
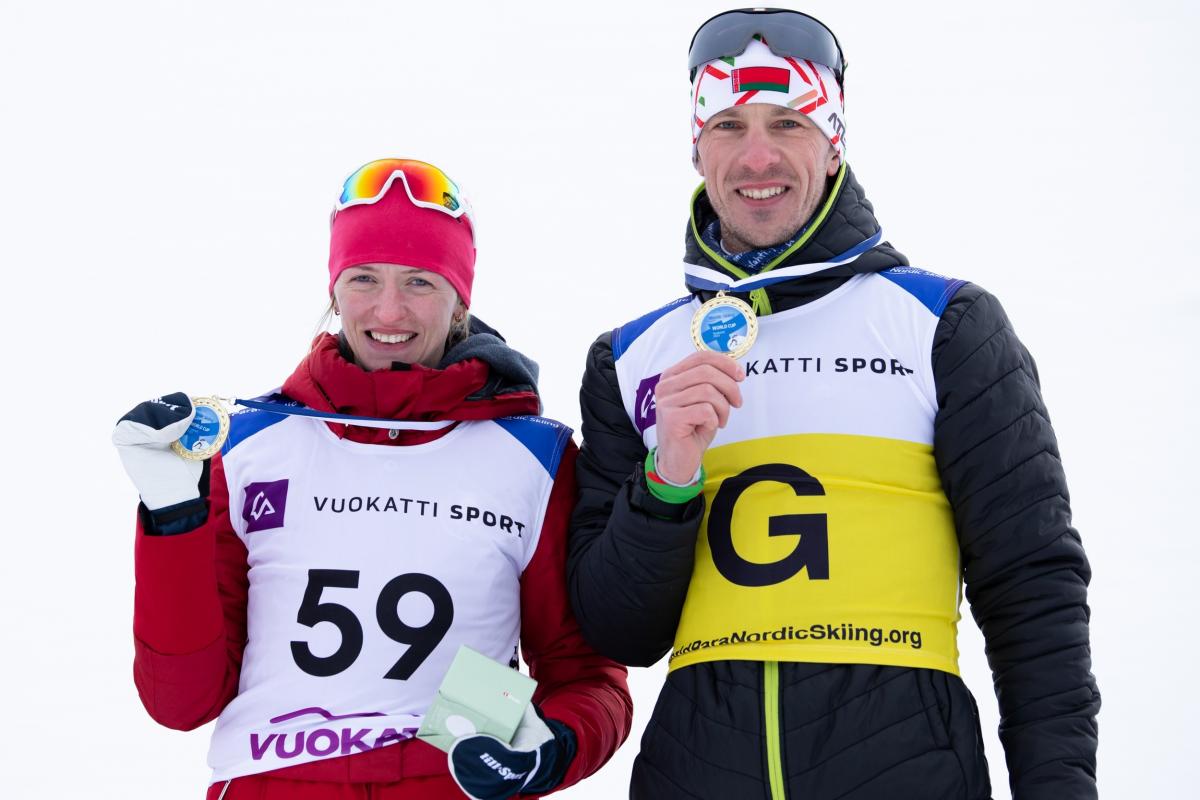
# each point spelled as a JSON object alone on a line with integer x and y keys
{"x": 143, "y": 438}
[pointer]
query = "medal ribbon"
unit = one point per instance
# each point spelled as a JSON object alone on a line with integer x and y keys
{"x": 712, "y": 280}
{"x": 346, "y": 419}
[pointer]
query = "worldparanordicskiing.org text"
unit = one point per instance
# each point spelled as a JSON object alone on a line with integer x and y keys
{"x": 840, "y": 632}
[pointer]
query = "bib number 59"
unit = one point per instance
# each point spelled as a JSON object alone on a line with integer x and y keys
{"x": 421, "y": 640}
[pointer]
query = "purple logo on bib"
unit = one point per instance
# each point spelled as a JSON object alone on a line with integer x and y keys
{"x": 644, "y": 408}
{"x": 329, "y": 739}
{"x": 265, "y": 504}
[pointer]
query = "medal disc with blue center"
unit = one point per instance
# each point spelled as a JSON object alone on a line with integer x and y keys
{"x": 726, "y": 325}
{"x": 205, "y": 436}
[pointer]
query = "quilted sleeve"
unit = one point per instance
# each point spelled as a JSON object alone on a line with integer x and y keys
{"x": 1025, "y": 570}
{"x": 631, "y": 555}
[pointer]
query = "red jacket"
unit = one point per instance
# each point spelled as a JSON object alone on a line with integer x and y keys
{"x": 190, "y": 599}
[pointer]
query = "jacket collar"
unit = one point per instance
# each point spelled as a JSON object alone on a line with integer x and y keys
{"x": 465, "y": 387}
{"x": 845, "y": 219}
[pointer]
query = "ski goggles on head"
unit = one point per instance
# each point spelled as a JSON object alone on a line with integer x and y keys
{"x": 426, "y": 186}
{"x": 787, "y": 33}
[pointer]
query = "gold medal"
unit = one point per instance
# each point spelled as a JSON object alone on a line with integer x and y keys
{"x": 726, "y": 325}
{"x": 206, "y": 435}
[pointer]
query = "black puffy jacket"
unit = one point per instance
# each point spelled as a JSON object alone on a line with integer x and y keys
{"x": 859, "y": 731}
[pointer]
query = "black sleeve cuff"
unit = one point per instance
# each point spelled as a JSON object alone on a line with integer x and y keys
{"x": 564, "y": 752}
{"x": 172, "y": 520}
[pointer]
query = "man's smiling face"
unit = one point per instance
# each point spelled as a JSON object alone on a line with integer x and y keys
{"x": 765, "y": 168}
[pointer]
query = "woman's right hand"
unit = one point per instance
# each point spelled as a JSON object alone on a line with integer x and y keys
{"x": 143, "y": 439}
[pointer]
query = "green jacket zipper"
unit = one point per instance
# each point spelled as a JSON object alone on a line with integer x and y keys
{"x": 773, "y": 730}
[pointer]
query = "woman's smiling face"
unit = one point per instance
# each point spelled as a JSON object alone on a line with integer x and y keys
{"x": 391, "y": 312}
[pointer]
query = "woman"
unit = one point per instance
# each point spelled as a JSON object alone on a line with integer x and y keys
{"x": 309, "y": 585}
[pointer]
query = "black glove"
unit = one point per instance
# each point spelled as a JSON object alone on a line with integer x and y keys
{"x": 486, "y": 768}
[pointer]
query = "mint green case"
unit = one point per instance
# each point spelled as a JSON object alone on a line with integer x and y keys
{"x": 477, "y": 695}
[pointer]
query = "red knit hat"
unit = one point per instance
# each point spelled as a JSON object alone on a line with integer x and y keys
{"x": 394, "y": 231}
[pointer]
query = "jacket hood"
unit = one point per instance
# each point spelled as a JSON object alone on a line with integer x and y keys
{"x": 845, "y": 220}
{"x": 511, "y": 371}
{"x": 480, "y": 378}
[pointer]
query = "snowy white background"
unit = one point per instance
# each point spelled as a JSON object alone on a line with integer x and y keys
{"x": 169, "y": 169}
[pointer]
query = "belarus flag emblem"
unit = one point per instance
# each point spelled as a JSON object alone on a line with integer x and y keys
{"x": 761, "y": 79}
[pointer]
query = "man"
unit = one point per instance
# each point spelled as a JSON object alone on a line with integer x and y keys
{"x": 794, "y": 525}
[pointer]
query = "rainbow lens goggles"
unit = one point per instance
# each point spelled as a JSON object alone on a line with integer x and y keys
{"x": 426, "y": 186}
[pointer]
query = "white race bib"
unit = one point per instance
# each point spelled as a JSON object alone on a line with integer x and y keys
{"x": 368, "y": 566}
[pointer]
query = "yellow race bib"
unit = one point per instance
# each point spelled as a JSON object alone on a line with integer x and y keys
{"x": 828, "y": 548}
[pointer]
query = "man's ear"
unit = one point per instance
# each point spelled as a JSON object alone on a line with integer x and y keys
{"x": 696, "y": 163}
{"x": 835, "y": 163}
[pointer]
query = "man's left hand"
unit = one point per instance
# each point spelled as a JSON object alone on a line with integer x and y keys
{"x": 486, "y": 768}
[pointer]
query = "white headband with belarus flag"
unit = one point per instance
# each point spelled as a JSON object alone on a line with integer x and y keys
{"x": 760, "y": 76}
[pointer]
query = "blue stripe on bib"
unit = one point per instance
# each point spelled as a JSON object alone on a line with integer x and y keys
{"x": 544, "y": 438}
{"x": 933, "y": 290}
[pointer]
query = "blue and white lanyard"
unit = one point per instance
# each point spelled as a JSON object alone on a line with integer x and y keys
{"x": 712, "y": 280}
{"x": 346, "y": 419}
